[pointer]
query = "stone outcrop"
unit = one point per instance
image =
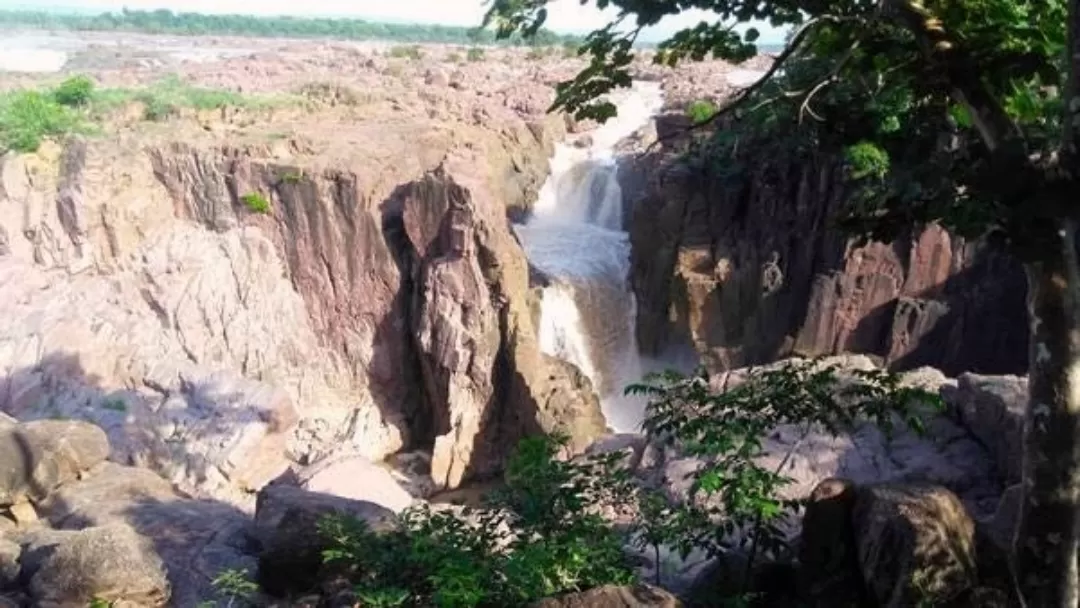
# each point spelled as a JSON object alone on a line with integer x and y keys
{"x": 947, "y": 454}
{"x": 746, "y": 267}
{"x": 38, "y": 457}
{"x": 992, "y": 408}
{"x": 100, "y": 529}
{"x": 219, "y": 345}
{"x": 287, "y": 528}
{"x": 110, "y": 563}
{"x": 486, "y": 383}
{"x": 353, "y": 476}
{"x": 902, "y": 544}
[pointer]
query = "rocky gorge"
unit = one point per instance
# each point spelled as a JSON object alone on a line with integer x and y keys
{"x": 192, "y": 379}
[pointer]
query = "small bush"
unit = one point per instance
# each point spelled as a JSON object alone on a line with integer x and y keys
{"x": 701, "y": 110}
{"x": 28, "y": 117}
{"x": 550, "y": 530}
{"x": 453, "y": 58}
{"x": 542, "y": 536}
{"x": 256, "y": 202}
{"x": 156, "y": 108}
{"x": 75, "y": 92}
{"x": 412, "y": 52}
{"x": 292, "y": 177}
{"x": 475, "y": 54}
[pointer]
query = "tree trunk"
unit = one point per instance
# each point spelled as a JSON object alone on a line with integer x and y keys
{"x": 1048, "y": 532}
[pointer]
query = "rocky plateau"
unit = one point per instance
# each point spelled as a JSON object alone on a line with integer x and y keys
{"x": 187, "y": 381}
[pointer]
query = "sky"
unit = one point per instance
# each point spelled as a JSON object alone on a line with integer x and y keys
{"x": 564, "y": 15}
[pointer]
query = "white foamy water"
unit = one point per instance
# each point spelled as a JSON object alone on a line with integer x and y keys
{"x": 576, "y": 237}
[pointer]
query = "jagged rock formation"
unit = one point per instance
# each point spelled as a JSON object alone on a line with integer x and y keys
{"x": 746, "y": 267}
{"x": 217, "y": 344}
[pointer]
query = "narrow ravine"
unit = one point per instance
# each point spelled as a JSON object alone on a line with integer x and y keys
{"x": 577, "y": 238}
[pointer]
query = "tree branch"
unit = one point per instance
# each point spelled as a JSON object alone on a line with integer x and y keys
{"x": 747, "y": 92}
{"x": 990, "y": 119}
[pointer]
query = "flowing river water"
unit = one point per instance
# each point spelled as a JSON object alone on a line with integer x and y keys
{"x": 576, "y": 236}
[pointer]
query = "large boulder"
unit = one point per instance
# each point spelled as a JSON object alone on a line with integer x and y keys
{"x": 992, "y": 409}
{"x": 613, "y": 596}
{"x": 287, "y": 523}
{"x": 38, "y": 457}
{"x": 110, "y": 563}
{"x": 353, "y": 476}
{"x": 909, "y": 542}
{"x": 195, "y": 539}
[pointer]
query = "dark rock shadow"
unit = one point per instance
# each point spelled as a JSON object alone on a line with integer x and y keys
{"x": 964, "y": 324}
{"x": 197, "y": 539}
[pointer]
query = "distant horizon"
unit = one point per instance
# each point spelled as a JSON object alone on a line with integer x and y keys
{"x": 566, "y": 17}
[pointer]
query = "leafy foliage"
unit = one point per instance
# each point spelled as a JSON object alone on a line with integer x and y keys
{"x": 29, "y": 117}
{"x": 541, "y": 535}
{"x": 74, "y": 92}
{"x": 168, "y": 22}
{"x": 475, "y": 54}
{"x": 701, "y": 110}
{"x": 256, "y": 202}
{"x": 550, "y": 529}
{"x": 233, "y": 587}
{"x": 735, "y": 498}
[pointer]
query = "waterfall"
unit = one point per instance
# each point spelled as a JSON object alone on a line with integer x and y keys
{"x": 577, "y": 238}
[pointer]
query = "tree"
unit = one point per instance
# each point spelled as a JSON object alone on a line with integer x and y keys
{"x": 965, "y": 113}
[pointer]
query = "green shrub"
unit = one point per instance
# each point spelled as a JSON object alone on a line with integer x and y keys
{"x": 734, "y": 498}
{"x": 28, "y": 117}
{"x": 453, "y": 58}
{"x": 412, "y": 52}
{"x": 156, "y": 108}
{"x": 546, "y": 531}
{"x": 475, "y": 54}
{"x": 701, "y": 110}
{"x": 256, "y": 202}
{"x": 74, "y": 92}
{"x": 541, "y": 536}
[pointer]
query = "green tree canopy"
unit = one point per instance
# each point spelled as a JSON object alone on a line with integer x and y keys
{"x": 965, "y": 113}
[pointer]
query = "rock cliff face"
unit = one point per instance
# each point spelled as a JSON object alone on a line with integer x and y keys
{"x": 380, "y": 302}
{"x": 747, "y": 268}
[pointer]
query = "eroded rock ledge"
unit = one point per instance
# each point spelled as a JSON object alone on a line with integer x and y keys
{"x": 738, "y": 258}
{"x": 381, "y": 303}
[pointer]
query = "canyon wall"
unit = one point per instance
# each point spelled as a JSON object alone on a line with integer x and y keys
{"x": 380, "y": 303}
{"x": 746, "y": 267}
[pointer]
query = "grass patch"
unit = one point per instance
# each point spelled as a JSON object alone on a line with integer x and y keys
{"x": 412, "y": 52}
{"x": 30, "y": 116}
{"x": 475, "y": 54}
{"x": 256, "y": 203}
